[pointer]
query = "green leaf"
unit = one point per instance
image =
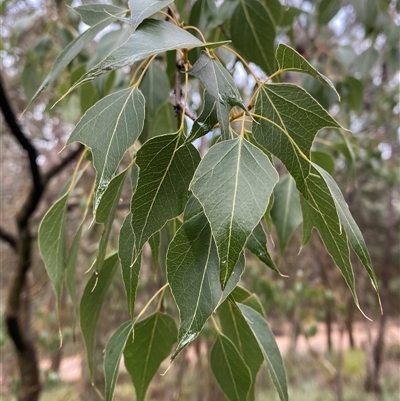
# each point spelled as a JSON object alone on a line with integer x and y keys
{"x": 163, "y": 121}
{"x": 92, "y": 14}
{"x": 289, "y": 60}
{"x": 203, "y": 15}
{"x": 327, "y": 9}
{"x": 112, "y": 357}
{"x": 324, "y": 160}
{"x": 290, "y": 120}
{"x": 153, "y": 340}
{"x": 233, "y": 183}
{"x": 155, "y": 242}
{"x": 71, "y": 51}
{"x": 288, "y": 16}
{"x": 269, "y": 348}
{"x": 230, "y": 370}
{"x": 108, "y": 129}
{"x": 243, "y": 296}
{"x": 91, "y": 304}
{"x": 257, "y": 244}
{"x": 130, "y": 270}
{"x": 151, "y": 37}
{"x": 166, "y": 168}
{"x": 274, "y": 8}
{"x": 142, "y": 9}
{"x": 253, "y": 34}
{"x": 286, "y": 211}
{"x": 193, "y": 276}
{"x": 235, "y": 327}
{"x": 52, "y": 243}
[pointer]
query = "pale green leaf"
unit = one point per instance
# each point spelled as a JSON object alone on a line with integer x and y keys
{"x": 152, "y": 343}
{"x": 269, "y": 348}
{"x": 91, "y": 304}
{"x": 290, "y": 60}
{"x": 141, "y": 9}
{"x": 286, "y": 211}
{"x": 92, "y": 14}
{"x": 193, "y": 276}
{"x": 233, "y": 183}
{"x": 253, "y": 34}
{"x": 108, "y": 129}
{"x": 112, "y": 357}
{"x": 230, "y": 370}
{"x": 235, "y": 327}
{"x": 324, "y": 160}
{"x": 166, "y": 167}
{"x": 289, "y": 120}
{"x": 327, "y": 9}
{"x": 130, "y": 271}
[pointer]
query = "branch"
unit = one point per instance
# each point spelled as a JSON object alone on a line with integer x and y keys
{"x": 9, "y": 238}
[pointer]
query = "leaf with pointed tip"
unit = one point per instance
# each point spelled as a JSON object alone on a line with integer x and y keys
{"x": 286, "y": 211}
{"x": 257, "y": 244}
{"x": 266, "y": 342}
{"x": 151, "y": 37}
{"x": 153, "y": 340}
{"x": 290, "y": 119}
{"x": 233, "y": 183}
{"x": 52, "y": 243}
{"x": 142, "y": 9}
{"x": 91, "y": 304}
{"x": 108, "y": 129}
{"x": 166, "y": 167}
{"x": 235, "y": 327}
{"x": 71, "y": 51}
{"x": 230, "y": 370}
{"x": 193, "y": 276}
{"x": 253, "y": 34}
{"x": 130, "y": 271}
{"x": 290, "y": 60}
{"x": 92, "y": 14}
{"x": 112, "y": 357}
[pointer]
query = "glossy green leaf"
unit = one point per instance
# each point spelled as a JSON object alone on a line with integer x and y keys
{"x": 112, "y": 357}
{"x": 151, "y": 37}
{"x": 108, "y": 129}
{"x": 290, "y": 120}
{"x": 91, "y": 304}
{"x": 257, "y": 244}
{"x": 166, "y": 168}
{"x": 327, "y": 9}
{"x": 269, "y": 348}
{"x": 71, "y": 51}
{"x": 253, "y": 34}
{"x": 52, "y": 243}
{"x": 243, "y": 296}
{"x": 286, "y": 211}
{"x": 324, "y": 160}
{"x": 230, "y": 370}
{"x": 130, "y": 270}
{"x": 153, "y": 341}
{"x": 235, "y": 327}
{"x": 290, "y": 60}
{"x": 92, "y": 14}
{"x": 233, "y": 183}
{"x": 193, "y": 276}
{"x": 142, "y": 9}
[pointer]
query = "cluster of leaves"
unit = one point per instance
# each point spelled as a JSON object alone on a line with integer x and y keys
{"x": 216, "y": 206}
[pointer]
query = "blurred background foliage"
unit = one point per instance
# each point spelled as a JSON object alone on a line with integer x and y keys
{"x": 331, "y": 351}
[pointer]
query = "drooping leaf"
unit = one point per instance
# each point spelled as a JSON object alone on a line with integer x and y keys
{"x": 269, "y": 348}
{"x": 130, "y": 270}
{"x": 52, "y": 243}
{"x": 153, "y": 340}
{"x": 290, "y": 60}
{"x": 230, "y": 370}
{"x": 290, "y": 119}
{"x": 243, "y": 296}
{"x": 142, "y": 9}
{"x": 193, "y": 276}
{"x": 235, "y": 327}
{"x": 257, "y": 244}
{"x": 108, "y": 129}
{"x": 233, "y": 183}
{"x": 92, "y": 14}
{"x": 324, "y": 160}
{"x": 286, "y": 211}
{"x": 112, "y": 357}
{"x": 166, "y": 168}
{"x": 327, "y": 9}
{"x": 155, "y": 242}
{"x": 151, "y": 37}
{"x": 91, "y": 304}
{"x": 253, "y": 33}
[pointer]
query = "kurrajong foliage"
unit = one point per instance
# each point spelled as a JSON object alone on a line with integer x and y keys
{"x": 215, "y": 207}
